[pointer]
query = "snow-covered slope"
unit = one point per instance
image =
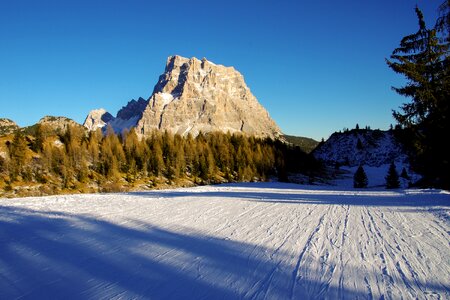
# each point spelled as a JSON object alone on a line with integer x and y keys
{"x": 368, "y": 147}
{"x": 251, "y": 241}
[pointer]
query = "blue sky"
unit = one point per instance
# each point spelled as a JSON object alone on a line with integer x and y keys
{"x": 317, "y": 66}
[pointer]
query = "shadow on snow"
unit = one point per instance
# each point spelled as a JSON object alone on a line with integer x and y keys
{"x": 50, "y": 254}
{"x": 324, "y": 196}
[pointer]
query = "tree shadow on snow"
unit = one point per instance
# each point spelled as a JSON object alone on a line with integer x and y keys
{"x": 46, "y": 254}
{"x": 388, "y": 198}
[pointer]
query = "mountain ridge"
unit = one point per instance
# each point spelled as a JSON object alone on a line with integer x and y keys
{"x": 194, "y": 96}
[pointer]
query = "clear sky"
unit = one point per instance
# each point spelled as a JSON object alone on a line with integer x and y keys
{"x": 317, "y": 66}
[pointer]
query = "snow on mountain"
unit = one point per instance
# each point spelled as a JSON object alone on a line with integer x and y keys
{"x": 236, "y": 241}
{"x": 119, "y": 125}
{"x": 132, "y": 109}
{"x": 97, "y": 118}
{"x": 363, "y": 146}
{"x": 127, "y": 117}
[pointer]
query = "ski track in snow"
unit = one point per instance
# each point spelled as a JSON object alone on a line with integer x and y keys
{"x": 241, "y": 241}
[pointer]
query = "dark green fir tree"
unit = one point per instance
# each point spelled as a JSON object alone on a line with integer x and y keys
{"x": 360, "y": 178}
{"x": 423, "y": 58}
{"x": 404, "y": 174}
{"x": 392, "y": 180}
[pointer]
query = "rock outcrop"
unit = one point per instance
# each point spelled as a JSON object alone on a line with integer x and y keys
{"x": 194, "y": 96}
{"x": 97, "y": 118}
{"x": 57, "y": 123}
{"x": 7, "y": 126}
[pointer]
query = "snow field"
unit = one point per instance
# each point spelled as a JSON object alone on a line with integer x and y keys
{"x": 252, "y": 241}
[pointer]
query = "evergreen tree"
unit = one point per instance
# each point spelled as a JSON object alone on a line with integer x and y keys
{"x": 359, "y": 144}
{"x": 2, "y": 165}
{"x": 93, "y": 148}
{"x": 39, "y": 137}
{"x": 360, "y": 178}
{"x": 18, "y": 154}
{"x": 443, "y": 22}
{"x": 404, "y": 174}
{"x": 392, "y": 180}
{"x": 423, "y": 58}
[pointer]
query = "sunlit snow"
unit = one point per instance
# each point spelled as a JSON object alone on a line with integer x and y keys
{"x": 251, "y": 241}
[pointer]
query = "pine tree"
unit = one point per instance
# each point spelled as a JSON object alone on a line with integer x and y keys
{"x": 392, "y": 180}
{"x": 423, "y": 58}
{"x": 360, "y": 178}
{"x": 359, "y": 144}
{"x": 443, "y": 22}
{"x": 404, "y": 174}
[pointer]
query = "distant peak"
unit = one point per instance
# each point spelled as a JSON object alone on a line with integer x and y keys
{"x": 97, "y": 118}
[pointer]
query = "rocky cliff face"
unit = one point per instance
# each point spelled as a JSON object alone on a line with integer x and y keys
{"x": 127, "y": 117}
{"x": 195, "y": 95}
{"x": 361, "y": 147}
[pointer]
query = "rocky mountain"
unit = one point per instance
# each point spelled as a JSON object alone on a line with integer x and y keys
{"x": 361, "y": 146}
{"x": 127, "y": 117}
{"x": 57, "y": 123}
{"x": 97, "y": 118}
{"x": 195, "y": 95}
{"x": 7, "y": 126}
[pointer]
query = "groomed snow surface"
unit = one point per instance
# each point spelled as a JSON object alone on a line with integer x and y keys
{"x": 251, "y": 241}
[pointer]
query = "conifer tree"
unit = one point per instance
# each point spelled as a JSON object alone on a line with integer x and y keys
{"x": 39, "y": 137}
{"x": 404, "y": 174}
{"x": 360, "y": 178}
{"x": 392, "y": 180}
{"x": 423, "y": 58}
{"x": 93, "y": 148}
{"x": 18, "y": 154}
{"x": 359, "y": 145}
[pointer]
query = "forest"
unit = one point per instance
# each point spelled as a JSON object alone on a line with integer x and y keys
{"x": 42, "y": 161}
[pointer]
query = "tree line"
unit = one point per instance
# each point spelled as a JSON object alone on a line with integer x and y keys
{"x": 95, "y": 161}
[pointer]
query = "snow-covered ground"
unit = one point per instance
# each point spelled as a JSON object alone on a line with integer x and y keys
{"x": 252, "y": 241}
{"x": 376, "y": 176}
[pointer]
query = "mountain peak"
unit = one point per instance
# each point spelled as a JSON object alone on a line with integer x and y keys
{"x": 195, "y": 95}
{"x": 97, "y": 118}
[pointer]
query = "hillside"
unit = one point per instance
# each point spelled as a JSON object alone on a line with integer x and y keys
{"x": 305, "y": 143}
{"x": 361, "y": 146}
